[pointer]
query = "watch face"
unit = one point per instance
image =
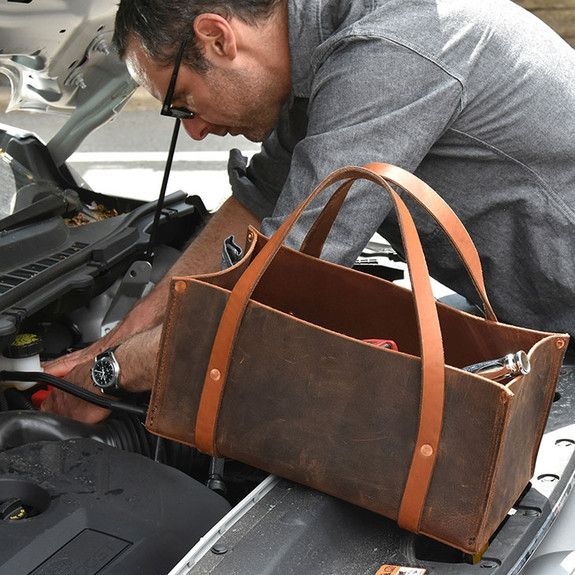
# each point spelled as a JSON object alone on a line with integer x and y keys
{"x": 104, "y": 373}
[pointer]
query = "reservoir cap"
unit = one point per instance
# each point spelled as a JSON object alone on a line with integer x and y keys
{"x": 24, "y": 345}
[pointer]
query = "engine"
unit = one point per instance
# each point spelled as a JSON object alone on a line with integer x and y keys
{"x": 106, "y": 498}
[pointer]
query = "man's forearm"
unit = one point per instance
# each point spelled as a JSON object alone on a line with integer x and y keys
{"x": 203, "y": 255}
{"x": 137, "y": 357}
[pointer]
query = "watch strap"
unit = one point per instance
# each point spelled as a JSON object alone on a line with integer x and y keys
{"x": 107, "y": 350}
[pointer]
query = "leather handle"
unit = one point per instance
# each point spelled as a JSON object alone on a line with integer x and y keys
{"x": 432, "y": 356}
{"x": 427, "y": 198}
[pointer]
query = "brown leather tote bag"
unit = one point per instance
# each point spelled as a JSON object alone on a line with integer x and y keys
{"x": 265, "y": 363}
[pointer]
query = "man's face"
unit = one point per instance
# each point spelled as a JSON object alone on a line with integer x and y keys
{"x": 239, "y": 100}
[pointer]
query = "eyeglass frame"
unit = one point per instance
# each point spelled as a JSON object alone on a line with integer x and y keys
{"x": 167, "y": 108}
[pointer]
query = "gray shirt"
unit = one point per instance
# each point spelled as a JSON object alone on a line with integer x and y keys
{"x": 477, "y": 98}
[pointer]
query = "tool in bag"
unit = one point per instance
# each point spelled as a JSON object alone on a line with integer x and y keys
{"x": 408, "y": 434}
{"x": 503, "y": 369}
{"x": 387, "y": 343}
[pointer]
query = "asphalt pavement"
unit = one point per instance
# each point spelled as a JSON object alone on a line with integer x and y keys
{"x": 127, "y": 155}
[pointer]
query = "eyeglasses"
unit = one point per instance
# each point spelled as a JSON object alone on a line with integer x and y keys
{"x": 167, "y": 108}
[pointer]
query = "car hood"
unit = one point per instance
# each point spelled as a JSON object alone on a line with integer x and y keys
{"x": 54, "y": 52}
{"x": 59, "y": 58}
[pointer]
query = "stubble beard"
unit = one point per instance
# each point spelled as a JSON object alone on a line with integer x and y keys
{"x": 259, "y": 106}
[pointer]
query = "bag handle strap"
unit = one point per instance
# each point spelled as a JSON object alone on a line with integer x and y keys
{"x": 432, "y": 356}
{"x": 427, "y": 198}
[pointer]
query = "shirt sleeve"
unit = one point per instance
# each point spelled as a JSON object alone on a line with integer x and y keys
{"x": 372, "y": 100}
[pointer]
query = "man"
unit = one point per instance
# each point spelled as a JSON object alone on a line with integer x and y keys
{"x": 476, "y": 98}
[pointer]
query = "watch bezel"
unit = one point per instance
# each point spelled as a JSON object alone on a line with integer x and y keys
{"x": 107, "y": 357}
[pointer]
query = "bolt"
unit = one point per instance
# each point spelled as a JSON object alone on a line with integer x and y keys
{"x": 78, "y": 82}
{"x": 102, "y": 46}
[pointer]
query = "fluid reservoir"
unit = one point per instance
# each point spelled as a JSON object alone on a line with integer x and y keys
{"x": 22, "y": 355}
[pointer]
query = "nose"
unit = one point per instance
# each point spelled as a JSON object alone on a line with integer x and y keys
{"x": 196, "y": 128}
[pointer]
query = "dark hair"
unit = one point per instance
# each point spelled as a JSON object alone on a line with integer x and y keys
{"x": 161, "y": 25}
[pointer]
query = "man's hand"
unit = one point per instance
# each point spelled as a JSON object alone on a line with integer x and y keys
{"x": 139, "y": 334}
{"x": 65, "y": 404}
{"x": 137, "y": 360}
{"x": 61, "y": 366}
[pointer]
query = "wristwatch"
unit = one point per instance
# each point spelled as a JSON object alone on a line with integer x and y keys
{"x": 106, "y": 373}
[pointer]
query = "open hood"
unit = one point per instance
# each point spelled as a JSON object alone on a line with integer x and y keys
{"x": 59, "y": 58}
{"x": 55, "y": 52}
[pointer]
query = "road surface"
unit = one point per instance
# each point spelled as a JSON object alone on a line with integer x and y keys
{"x": 126, "y": 157}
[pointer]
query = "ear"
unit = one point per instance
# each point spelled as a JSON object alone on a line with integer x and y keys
{"x": 216, "y": 36}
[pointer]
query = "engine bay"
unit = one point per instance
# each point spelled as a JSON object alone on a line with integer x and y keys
{"x": 72, "y": 264}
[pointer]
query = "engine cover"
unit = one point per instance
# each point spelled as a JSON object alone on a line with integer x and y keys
{"x": 79, "y": 506}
